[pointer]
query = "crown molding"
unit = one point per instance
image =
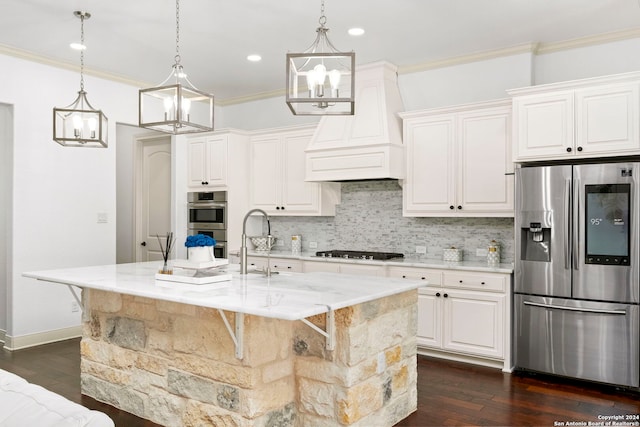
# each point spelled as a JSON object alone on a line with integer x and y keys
{"x": 34, "y": 57}
{"x": 531, "y": 48}
{"x": 588, "y": 41}
{"x": 465, "y": 59}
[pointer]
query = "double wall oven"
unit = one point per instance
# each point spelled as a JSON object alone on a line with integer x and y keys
{"x": 207, "y": 214}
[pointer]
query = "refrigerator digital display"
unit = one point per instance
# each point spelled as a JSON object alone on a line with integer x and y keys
{"x": 607, "y": 224}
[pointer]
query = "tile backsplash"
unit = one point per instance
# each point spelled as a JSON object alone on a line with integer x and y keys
{"x": 369, "y": 218}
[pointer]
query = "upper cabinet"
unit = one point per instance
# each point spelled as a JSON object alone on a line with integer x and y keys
{"x": 207, "y": 162}
{"x": 277, "y": 176}
{"x": 458, "y": 161}
{"x": 579, "y": 119}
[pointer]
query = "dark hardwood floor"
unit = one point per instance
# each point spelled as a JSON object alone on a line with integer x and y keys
{"x": 449, "y": 393}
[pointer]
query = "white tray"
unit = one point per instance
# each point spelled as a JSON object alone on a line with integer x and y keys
{"x": 193, "y": 278}
{"x": 185, "y": 263}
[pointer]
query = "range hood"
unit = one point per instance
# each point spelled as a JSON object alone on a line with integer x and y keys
{"x": 367, "y": 145}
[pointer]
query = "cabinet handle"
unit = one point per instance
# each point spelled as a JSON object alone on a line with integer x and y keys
{"x": 277, "y": 208}
{"x": 143, "y": 244}
{"x": 482, "y": 283}
{"x": 451, "y": 207}
{"x": 579, "y": 148}
{"x": 460, "y": 281}
{"x": 282, "y": 208}
{"x": 437, "y": 294}
{"x": 459, "y": 207}
{"x": 404, "y": 277}
{"x": 422, "y": 278}
{"x": 446, "y": 295}
{"x": 289, "y": 267}
{"x": 568, "y": 149}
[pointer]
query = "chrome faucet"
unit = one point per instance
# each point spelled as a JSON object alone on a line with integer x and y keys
{"x": 243, "y": 247}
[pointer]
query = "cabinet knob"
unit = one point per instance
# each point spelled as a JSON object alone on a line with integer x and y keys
{"x": 404, "y": 277}
{"x": 568, "y": 149}
{"x": 289, "y": 267}
{"x": 579, "y": 148}
{"x": 482, "y": 283}
{"x": 459, "y": 207}
{"x": 277, "y": 208}
{"x": 460, "y": 281}
{"x": 422, "y": 278}
{"x": 282, "y": 207}
{"x": 143, "y": 244}
{"x": 451, "y": 207}
{"x": 437, "y": 294}
{"x": 446, "y": 295}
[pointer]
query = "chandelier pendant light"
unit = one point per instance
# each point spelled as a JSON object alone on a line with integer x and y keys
{"x": 175, "y": 106}
{"x": 321, "y": 80}
{"x": 79, "y": 124}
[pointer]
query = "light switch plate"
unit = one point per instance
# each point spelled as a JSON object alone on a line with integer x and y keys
{"x": 313, "y": 245}
{"x": 103, "y": 218}
{"x": 421, "y": 249}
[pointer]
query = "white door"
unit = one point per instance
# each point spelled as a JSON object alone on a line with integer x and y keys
{"x": 153, "y": 198}
{"x": 297, "y": 195}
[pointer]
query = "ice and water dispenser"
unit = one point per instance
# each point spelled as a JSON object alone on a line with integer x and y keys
{"x": 536, "y": 242}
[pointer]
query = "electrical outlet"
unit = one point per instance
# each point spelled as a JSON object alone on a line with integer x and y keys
{"x": 103, "y": 218}
{"x": 421, "y": 249}
{"x": 313, "y": 245}
{"x": 481, "y": 252}
{"x": 75, "y": 307}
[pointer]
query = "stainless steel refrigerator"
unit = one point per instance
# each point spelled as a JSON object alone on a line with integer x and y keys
{"x": 577, "y": 271}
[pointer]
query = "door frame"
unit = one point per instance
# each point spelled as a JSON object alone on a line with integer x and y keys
{"x": 138, "y": 158}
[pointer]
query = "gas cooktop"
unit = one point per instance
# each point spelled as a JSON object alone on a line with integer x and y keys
{"x": 359, "y": 255}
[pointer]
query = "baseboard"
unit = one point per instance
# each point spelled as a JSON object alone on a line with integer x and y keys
{"x": 490, "y": 363}
{"x": 2, "y": 336}
{"x": 32, "y": 340}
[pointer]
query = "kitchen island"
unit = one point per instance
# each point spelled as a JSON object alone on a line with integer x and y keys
{"x": 287, "y": 350}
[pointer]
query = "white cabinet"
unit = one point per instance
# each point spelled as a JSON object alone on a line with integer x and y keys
{"x": 463, "y": 314}
{"x": 277, "y": 169}
{"x": 459, "y": 161}
{"x": 578, "y": 119}
{"x": 277, "y": 264}
{"x": 345, "y": 268}
{"x": 207, "y": 162}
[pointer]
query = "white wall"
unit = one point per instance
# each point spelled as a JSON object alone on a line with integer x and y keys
{"x": 261, "y": 114}
{"x": 6, "y": 169}
{"x": 599, "y": 60}
{"x": 57, "y": 193}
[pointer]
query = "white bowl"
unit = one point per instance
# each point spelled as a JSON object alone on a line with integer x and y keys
{"x": 263, "y": 243}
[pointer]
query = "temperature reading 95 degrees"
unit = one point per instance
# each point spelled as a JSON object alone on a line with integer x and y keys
{"x": 596, "y": 221}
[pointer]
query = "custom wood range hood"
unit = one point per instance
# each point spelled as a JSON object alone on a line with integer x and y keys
{"x": 367, "y": 145}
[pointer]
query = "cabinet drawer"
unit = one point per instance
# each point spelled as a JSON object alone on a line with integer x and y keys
{"x": 477, "y": 281}
{"x": 434, "y": 277}
{"x": 291, "y": 265}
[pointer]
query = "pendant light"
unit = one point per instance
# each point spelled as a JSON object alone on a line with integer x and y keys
{"x": 321, "y": 80}
{"x": 175, "y": 106}
{"x": 79, "y": 124}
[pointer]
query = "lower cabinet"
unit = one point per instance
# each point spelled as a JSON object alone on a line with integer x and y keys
{"x": 463, "y": 315}
{"x": 277, "y": 264}
{"x": 345, "y": 268}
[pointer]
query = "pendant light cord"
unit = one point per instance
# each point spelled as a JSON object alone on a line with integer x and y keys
{"x": 82, "y": 52}
{"x": 177, "y": 57}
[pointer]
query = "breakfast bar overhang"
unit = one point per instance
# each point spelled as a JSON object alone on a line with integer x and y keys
{"x": 286, "y": 350}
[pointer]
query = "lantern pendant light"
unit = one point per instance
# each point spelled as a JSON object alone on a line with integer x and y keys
{"x": 79, "y": 124}
{"x": 175, "y": 106}
{"x": 321, "y": 80}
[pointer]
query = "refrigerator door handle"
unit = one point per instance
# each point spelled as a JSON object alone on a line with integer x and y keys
{"x": 567, "y": 215}
{"x": 585, "y": 310}
{"x": 576, "y": 223}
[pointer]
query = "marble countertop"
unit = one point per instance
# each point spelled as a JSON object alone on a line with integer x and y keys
{"x": 288, "y": 296}
{"x": 397, "y": 262}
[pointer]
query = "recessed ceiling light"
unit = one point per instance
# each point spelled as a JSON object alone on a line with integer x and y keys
{"x": 77, "y": 46}
{"x": 254, "y": 58}
{"x": 356, "y": 31}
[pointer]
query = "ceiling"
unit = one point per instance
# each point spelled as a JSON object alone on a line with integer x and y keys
{"x": 135, "y": 39}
